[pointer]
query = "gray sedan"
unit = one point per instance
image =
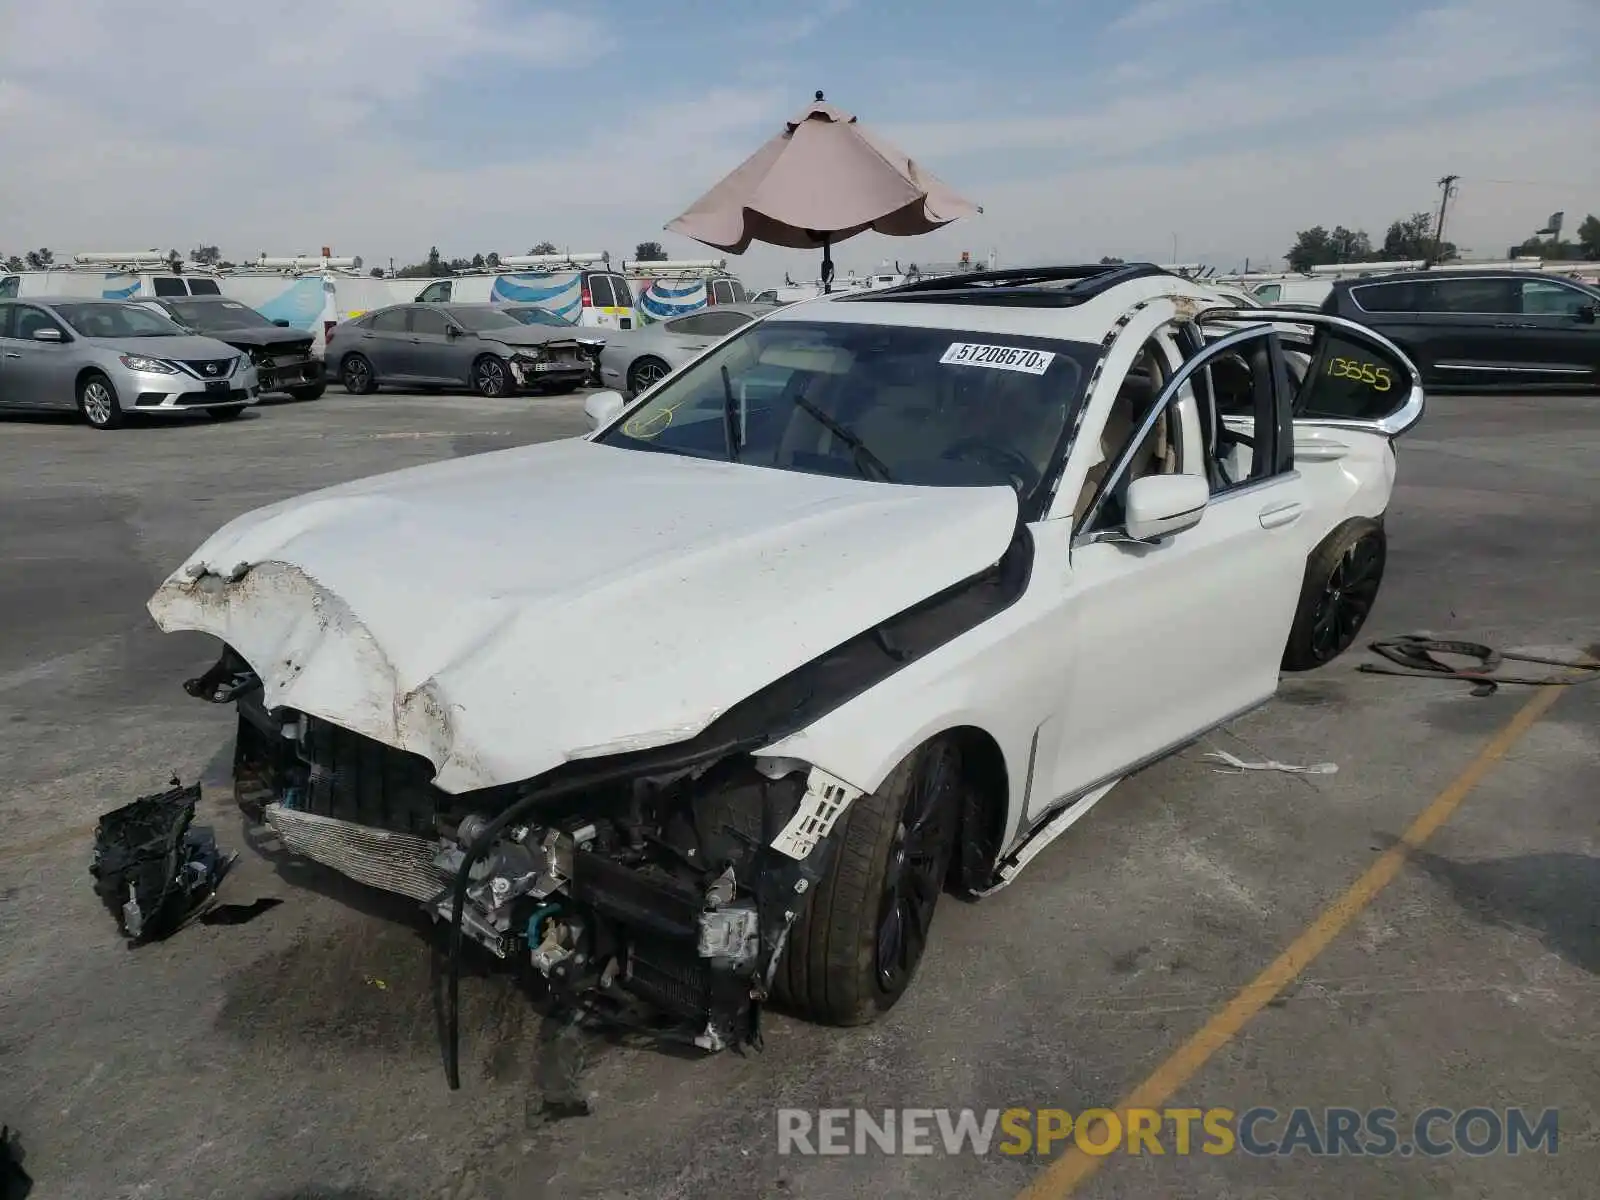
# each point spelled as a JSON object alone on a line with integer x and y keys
{"x": 476, "y": 346}
{"x": 635, "y": 359}
{"x": 109, "y": 358}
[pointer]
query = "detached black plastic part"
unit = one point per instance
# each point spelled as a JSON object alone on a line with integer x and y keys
{"x": 150, "y": 868}
{"x": 15, "y": 1183}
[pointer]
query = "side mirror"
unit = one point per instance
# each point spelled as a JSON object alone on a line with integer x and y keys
{"x": 1586, "y": 314}
{"x": 1157, "y": 505}
{"x": 281, "y": 323}
{"x": 454, "y": 331}
{"x": 48, "y": 334}
{"x": 602, "y": 408}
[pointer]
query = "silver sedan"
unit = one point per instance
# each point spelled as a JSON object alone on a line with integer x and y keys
{"x": 638, "y": 358}
{"x": 110, "y": 358}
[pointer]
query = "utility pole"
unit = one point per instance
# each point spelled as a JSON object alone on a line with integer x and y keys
{"x": 1447, "y": 188}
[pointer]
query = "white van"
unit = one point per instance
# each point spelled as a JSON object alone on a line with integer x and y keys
{"x": 674, "y": 287}
{"x": 567, "y": 284}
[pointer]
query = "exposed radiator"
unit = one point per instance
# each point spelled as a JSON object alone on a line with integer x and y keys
{"x": 396, "y": 862}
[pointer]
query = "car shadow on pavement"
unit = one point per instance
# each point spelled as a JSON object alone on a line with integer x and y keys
{"x": 1554, "y": 895}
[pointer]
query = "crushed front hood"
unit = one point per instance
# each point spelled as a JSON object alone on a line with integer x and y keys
{"x": 502, "y": 613}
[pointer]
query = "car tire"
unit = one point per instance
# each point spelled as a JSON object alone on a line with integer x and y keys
{"x": 227, "y": 412}
{"x": 357, "y": 375}
{"x": 98, "y": 403}
{"x": 310, "y": 392}
{"x": 491, "y": 377}
{"x": 838, "y": 968}
{"x": 1341, "y": 583}
{"x": 645, "y": 372}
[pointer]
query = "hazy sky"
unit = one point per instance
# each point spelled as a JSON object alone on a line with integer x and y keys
{"x": 382, "y": 127}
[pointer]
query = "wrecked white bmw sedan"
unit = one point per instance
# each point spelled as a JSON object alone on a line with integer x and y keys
{"x": 869, "y": 602}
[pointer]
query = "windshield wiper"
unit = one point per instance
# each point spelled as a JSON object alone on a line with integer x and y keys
{"x": 730, "y": 417}
{"x": 858, "y": 448}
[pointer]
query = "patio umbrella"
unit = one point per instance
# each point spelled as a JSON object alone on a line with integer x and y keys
{"x": 822, "y": 179}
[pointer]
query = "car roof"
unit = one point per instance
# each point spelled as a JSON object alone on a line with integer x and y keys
{"x": 1071, "y": 303}
{"x": 1456, "y": 273}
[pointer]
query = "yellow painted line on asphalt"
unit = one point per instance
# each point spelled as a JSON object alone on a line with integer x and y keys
{"x": 1073, "y": 1168}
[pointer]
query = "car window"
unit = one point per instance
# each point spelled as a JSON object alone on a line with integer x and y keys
{"x": 166, "y": 286}
{"x": 425, "y": 320}
{"x": 1269, "y": 293}
{"x": 8, "y": 320}
{"x": 204, "y": 287}
{"x": 483, "y": 320}
{"x": 1386, "y": 297}
{"x": 112, "y": 319}
{"x": 600, "y": 292}
{"x": 10, "y": 285}
{"x": 1542, "y": 298}
{"x": 689, "y": 326}
{"x": 1496, "y": 296}
{"x": 30, "y": 320}
{"x": 740, "y": 296}
{"x": 720, "y": 324}
{"x": 435, "y": 292}
{"x": 925, "y": 406}
{"x": 621, "y": 292}
{"x": 721, "y": 292}
{"x": 767, "y": 297}
{"x": 539, "y": 316}
{"x": 390, "y": 320}
{"x": 227, "y": 314}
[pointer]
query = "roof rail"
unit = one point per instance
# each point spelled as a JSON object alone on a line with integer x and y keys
{"x": 1036, "y": 286}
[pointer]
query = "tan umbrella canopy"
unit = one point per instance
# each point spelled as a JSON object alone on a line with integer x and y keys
{"x": 823, "y": 179}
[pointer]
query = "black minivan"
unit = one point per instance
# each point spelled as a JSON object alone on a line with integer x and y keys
{"x": 1482, "y": 329}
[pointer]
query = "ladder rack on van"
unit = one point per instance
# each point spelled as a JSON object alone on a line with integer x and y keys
{"x": 299, "y": 264}
{"x": 675, "y": 268}
{"x": 544, "y": 264}
{"x": 133, "y": 262}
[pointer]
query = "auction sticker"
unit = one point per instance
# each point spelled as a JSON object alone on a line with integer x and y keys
{"x": 1000, "y": 358}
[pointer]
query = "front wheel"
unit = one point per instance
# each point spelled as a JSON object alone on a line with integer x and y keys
{"x": 1341, "y": 583}
{"x": 490, "y": 377}
{"x": 97, "y": 401}
{"x": 855, "y": 947}
{"x": 357, "y": 375}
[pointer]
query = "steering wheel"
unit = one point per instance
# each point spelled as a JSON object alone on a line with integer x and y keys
{"x": 1013, "y": 464}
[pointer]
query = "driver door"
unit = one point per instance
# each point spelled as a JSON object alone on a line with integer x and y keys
{"x": 1178, "y": 634}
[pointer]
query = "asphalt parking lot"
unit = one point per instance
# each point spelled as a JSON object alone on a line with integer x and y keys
{"x": 296, "y": 1055}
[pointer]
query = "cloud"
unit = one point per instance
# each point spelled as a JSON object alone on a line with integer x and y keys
{"x": 1154, "y": 14}
{"x": 382, "y": 127}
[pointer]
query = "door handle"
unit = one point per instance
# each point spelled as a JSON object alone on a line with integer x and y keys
{"x": 1281, "y": 514}
{"x": 12, "y": 354}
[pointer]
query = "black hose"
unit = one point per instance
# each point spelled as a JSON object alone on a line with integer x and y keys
{"x": 1413, "y": 654}
{"x": 633, "y": 768}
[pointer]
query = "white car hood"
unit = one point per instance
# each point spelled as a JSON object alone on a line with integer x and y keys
{"x": 503, "y": 613}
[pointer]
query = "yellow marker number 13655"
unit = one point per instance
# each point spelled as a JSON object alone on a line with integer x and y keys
{"x": 1369, "y": 373}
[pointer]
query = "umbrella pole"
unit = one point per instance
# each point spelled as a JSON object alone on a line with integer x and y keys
{"x": 827, "y": 263}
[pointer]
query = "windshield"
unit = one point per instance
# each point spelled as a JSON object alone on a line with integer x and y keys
{"x": 213, "y": 314}
{"x": 539, "y": 316}
{"x": 922, "y": 406}
{"x": 111, "y": 320}
{"x": 480, "y": 319}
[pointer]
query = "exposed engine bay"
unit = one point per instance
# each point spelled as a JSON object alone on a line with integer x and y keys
{"x": 658, "y": 898}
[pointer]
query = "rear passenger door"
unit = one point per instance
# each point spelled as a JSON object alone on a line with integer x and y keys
{"x": 1558, "y": 327}
{"x": 1471, "y": 324}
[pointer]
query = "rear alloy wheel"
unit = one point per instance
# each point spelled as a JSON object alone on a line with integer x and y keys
{"x": 356, "y": 373}
{"x": 97, "y": 401}
{"x": 855, "y": 947}
{"x": 647, "y": 372}
{"x": 491, "y": 377}
{"x": 1341, "y": 584}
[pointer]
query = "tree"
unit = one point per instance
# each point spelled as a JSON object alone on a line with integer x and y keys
{"x": 544, "y": 248}
{"x": 1317, "y": 247}
{"x": 376, "y": 273}
{"x": 1554, "y": 249}
{"x": 460, "y": 264}
{"x": 1589, "y": 237}
{"x": 435, "y": 266}
{"x": 492, "y": 259}
{"x": 477, "y": 262}
{"x": 14, "y": 263}
{"x": 41, "y": 259}
{"x": 649, "y": 252}
{"x": 206, "y": 256}
{"x": 1108, "y": 261}
{"x": 1412, "y": 238}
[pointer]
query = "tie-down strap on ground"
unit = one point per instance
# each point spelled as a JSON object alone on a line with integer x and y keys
{"x": 1413, "y": 654}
